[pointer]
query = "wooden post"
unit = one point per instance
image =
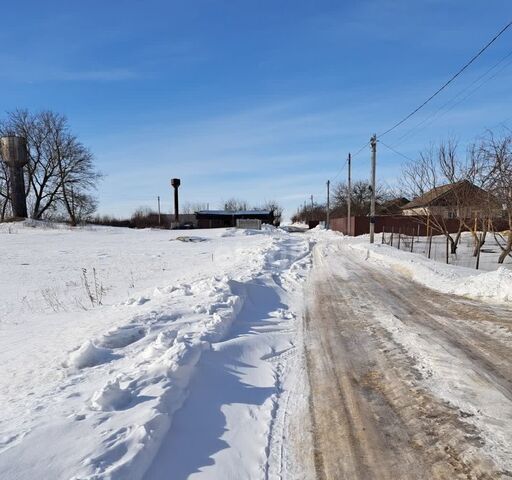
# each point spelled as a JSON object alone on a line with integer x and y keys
{"x": 373, "y": 143}
{"x": 159, "y": 216}
{"x": 478, "y": 252}
{"x": 392, "y": 233}
{"x": 349, "y": 195}
{"x": 429, "y": 244}
{"x": 327, "y": 222}
{"x": 399, "y": 237}
{"x": 447, "y": 249}
{"x": 418, "y": 232}
{"x": 412, "y": 241}
{"x": 383, "y": 232}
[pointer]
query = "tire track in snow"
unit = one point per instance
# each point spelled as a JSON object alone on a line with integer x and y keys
{"x": 373, "y": 413}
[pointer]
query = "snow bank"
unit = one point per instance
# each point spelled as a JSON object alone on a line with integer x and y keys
{"x": 493, "y": 286}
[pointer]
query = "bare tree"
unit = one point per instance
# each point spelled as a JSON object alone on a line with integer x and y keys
{"x": 421, "y": 175}
{"x": 5, "y": 195}
{"x": 307, "y": 213}
{"x": 192, "y": 207}
{"x": 440, "y": 166}
{"x": 235, "y": 204}
{"x": 60, "y": 168}
{"x": 274, "y": 207}
{"x": 360, "y": 198}
{"x": 497, "y": 150}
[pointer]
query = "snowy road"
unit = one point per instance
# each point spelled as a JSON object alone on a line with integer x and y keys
{"x": 405, "y": 382}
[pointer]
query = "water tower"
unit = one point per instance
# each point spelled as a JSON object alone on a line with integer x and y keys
{"x": 14, "y": 153}
{"x": 176, "y": 182}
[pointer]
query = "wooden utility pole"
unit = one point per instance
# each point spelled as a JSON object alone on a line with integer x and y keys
{"x": 328, "y": 213}
{"x": 349, "y": 196}
{"x": 159, "y": 217}
{"x": 373, "y": 143}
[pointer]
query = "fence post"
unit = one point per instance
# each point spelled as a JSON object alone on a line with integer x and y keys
{"x": 478, "y": 253}
{"x": 447, "y": 246}
{"x": 383, "y": 233}
{"x": 412, "y": 241}
{"x": 418, "y": 232}
{"x": 399, "y": 237}
{"x": 429, "y": 244}
{"x": 392, "y": 233}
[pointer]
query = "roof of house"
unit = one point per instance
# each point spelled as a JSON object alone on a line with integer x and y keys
{"x": 436, "y": 194}
{"x": 238, "y": 213}
{"x": 392, "y": 206}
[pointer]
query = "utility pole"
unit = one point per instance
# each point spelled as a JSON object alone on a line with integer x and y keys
{"x": 327, "y": 224}
{"x": 349, "y": 196}
{"x": 159, "y": 217}
{"x": 373, "y": 143}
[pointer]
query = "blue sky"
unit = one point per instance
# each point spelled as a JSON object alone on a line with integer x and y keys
{"x": 253, "y": 99}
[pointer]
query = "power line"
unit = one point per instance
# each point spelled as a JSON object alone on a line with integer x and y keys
{"x": 459, "y": 72}
{"x": 396, "y": 151}
{"x": 434, "y": 114}
{"x": 339, "y": 172}
{"x": 361, "y": 149}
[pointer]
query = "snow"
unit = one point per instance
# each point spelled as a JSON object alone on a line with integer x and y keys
{"x": 450, "y": 375}
{"x": 492, "y": 286}
{"x": 447, "y": 370}
{"x": 122, "y": 348}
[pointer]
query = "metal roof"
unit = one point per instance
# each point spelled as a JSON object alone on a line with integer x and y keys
{"x": 436, "y": 194}
{"x": 235, "y": 213}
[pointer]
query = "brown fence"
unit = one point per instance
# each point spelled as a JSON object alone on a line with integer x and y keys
{"x": 394, "y": 223}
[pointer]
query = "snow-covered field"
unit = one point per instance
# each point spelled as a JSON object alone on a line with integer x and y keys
{"x": 105, "y": 332}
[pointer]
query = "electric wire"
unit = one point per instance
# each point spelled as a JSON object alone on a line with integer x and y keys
{"x": 339, "y": 172}
{"x": 396, "y": 151}
{"x": 448, "y": 82}
{"x": 432, "y": 117}
{"x": 437, "y": 92}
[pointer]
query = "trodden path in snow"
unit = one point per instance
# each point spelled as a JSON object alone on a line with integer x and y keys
{"x": 406, "y": 383}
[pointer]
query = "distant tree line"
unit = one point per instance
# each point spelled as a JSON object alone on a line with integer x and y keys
{"x": 360, "y": 202}
{"x": 236, "y": 205}
{"x": 146, "y": 217}
{"x": 60, "y": 177}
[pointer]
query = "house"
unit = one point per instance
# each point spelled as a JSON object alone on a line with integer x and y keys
{"x": 393, "y": 206}
{"x": 455, "y": 200}
{"x": 223, "y": 218}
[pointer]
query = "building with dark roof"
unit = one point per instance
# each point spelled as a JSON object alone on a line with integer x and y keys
{"x": 223, "y": 218}
{"x": 455, "y": 200}
{"x": 392, "y": 207}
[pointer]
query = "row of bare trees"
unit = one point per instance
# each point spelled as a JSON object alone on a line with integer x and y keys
{"x": 60, "y": 177}
{"x": 236, "y": 204}
{"x": 360, "y": 201}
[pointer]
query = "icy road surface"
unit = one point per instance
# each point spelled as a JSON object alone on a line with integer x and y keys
{"x": 406, "y": 382}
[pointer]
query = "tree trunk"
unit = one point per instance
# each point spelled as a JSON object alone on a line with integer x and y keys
{"x": 453, "y": 245}
{"x": 507, "y": 249}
